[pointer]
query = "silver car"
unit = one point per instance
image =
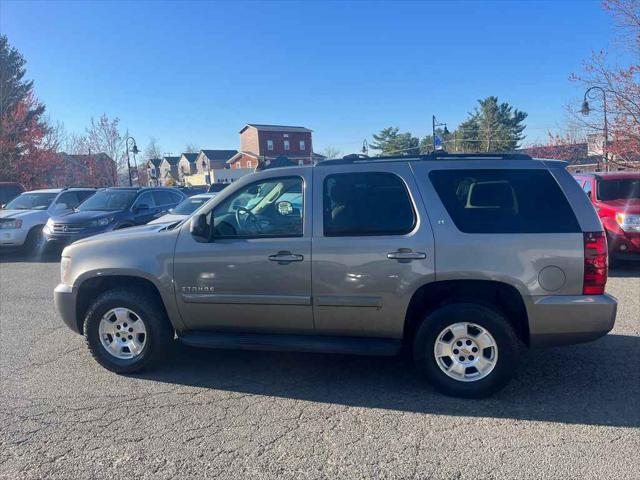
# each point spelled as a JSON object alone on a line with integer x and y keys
{"x": 464, "y": 261}
{"x": 22, "y": 219}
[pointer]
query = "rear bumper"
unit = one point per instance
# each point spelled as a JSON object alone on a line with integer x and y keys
{"x": 566, "y": 319}
{"x": 64, "y": 297}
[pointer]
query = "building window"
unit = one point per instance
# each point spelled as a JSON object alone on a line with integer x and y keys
{"x": 300, "y": 162}
{"x": 270, "y": 145}
{"x": 285, "y": 135}
{"x": 248, "y": 163}
{"x": 286, "y": 144}
{"x": 302, "y": 145}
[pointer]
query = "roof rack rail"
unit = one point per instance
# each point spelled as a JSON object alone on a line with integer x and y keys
{"x": 440, "y": 155}
{"x": 477, "y": 156}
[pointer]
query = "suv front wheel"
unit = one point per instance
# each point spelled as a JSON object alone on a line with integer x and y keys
{"x": 127, "y": 331}
{"x": 466, "y": 349}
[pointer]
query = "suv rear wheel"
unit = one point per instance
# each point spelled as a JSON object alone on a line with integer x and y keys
{"x": 126, "y": 331}
{"x": 466, "y": 349}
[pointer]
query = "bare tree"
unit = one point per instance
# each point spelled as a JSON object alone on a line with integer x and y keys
{"x": 103, "y": 136}
{"x": 152, "y": 150}
{"x": 331, "y": 152}
{"x": 191, "y": 148}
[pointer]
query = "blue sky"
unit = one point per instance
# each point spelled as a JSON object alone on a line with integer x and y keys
{"x": 198, "y": 71}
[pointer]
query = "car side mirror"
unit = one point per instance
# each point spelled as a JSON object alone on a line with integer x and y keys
{"x": 199, "y": 228}
{"x": 59, "y": 207}
{"x": 141, "y": 207}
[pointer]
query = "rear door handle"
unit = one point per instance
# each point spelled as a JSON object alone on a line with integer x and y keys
{"x": 405, "y": 254}
{"x": 286, "y": 257}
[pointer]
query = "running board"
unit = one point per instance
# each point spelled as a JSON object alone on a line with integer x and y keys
{"x": 292, "y": 343}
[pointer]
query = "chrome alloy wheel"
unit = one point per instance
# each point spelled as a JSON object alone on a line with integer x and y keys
{"x": 466, "y": 351}
{"x": 122, "y": 333}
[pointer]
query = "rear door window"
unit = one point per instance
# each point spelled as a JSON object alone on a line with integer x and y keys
{"x": 504, "y": 201}
{"x": 359, "y": 204}
{"x": 163, "y": 198}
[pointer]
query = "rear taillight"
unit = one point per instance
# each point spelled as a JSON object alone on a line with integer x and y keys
{"x": 595, "y": 263}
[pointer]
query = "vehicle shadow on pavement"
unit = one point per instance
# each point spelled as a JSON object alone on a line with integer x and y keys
{"x": 19, "y": 257}
{"x": 628, "y": 270}
{"x": 591, "y": 384}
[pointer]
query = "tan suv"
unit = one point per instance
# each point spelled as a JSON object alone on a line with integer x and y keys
{"x": 463, "y": 260}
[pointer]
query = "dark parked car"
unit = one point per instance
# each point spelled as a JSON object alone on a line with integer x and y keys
{"x": 217, "y": 187}
{"x": 191, "y": 191}
{"x": 9, "y": 191}
{"x": 111, "y": 209}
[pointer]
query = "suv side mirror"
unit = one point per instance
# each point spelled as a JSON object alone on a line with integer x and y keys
{"x": 59, "y": 207}
{"x": 199, "y": 228}
{"x": 141, "y": 207}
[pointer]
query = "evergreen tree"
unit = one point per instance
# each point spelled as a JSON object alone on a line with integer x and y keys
{"x": 492, "y": 127}
{"x": 390, "y": 142}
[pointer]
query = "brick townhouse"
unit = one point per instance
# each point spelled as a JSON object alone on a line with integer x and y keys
{"x": 259, "y": 143}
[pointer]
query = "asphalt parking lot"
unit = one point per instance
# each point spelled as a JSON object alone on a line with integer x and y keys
{"x": 572, "y": 412}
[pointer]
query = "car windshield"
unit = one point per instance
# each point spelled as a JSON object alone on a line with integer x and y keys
{"x": 31, "y": 201}
{"x": 188, "y": 206}
{"x": 109, "y": 200}
{"x": 621, "y": 189}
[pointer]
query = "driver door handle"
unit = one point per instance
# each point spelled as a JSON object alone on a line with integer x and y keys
{"x": 406, "y": 254}
{"x": 286, "y": 257}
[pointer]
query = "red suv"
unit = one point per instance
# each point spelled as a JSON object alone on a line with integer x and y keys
{"x": 616, "y": 197}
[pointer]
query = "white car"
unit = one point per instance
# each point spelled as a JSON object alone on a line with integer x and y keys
{"x": 22, "y": 219}
{"x": 185, "y": 208}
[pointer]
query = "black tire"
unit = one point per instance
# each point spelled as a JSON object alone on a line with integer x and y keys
{"x": 614, "y": 262}
{"x": 509, "y": 348}
{"x": 33, "y": 241}
{"x": 159, "y": 330}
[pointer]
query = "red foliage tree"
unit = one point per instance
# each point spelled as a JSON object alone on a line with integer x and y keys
{"x": 25, "y": 153}
{"x": 621, "y": 84}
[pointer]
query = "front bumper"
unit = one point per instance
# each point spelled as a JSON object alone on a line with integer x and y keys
{"x": 624, "y": 247}
{"x": 13, "y": 237}
{"x": 64, "y": 297}
{"x": 567, "y": 319}
{"x": 64, "y": 239}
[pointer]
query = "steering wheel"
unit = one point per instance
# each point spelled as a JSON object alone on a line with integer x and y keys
{"x": 249, "y": 217}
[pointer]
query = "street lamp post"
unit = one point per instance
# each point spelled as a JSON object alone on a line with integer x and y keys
{"x": 585, "y": 110}
{"x": 435, "y": 124}
{"x": 134, "y": 150}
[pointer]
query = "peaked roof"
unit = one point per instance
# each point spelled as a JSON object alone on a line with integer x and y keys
{"x": 191, "y": 157}
{"x": 219, "y": 154}
{"x": 275, "y": 128}
{"x": 172, "y": 160}
{"x": 156, "y": 161}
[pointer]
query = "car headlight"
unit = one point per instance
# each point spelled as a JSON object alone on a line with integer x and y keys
{"x": 628, "y": 223}
{"x": 11, "y": 223}
{"x": 65, "y": 270}
{"x": 102, "y": 222}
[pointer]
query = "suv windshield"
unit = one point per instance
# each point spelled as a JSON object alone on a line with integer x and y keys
{"x": 108, "y": 200}
{"x": 189, "y": 206}
{"x": 31, "y": 201}
{"x": 622, "y": 189}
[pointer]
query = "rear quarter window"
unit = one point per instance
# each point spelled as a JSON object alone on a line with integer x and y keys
{"x": 504, "y": 201}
